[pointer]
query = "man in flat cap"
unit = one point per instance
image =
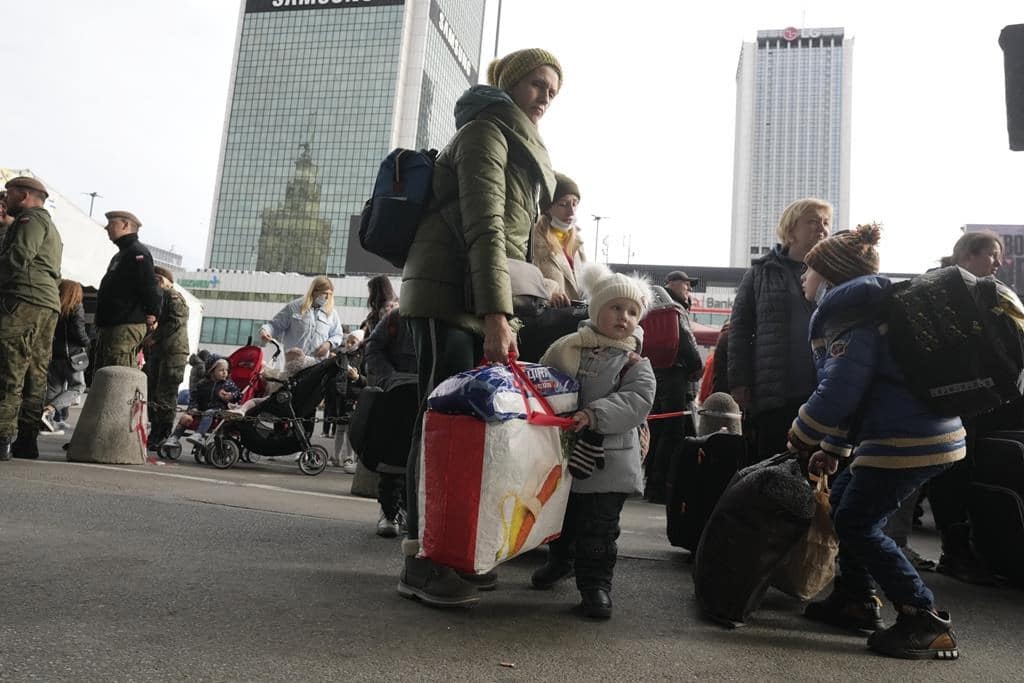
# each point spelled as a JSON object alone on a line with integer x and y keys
{"x": 166, "y": 353}
{"x": 30, "y": 256}
{"x": 128, "y": 302}
{"x": 679, "y": 286}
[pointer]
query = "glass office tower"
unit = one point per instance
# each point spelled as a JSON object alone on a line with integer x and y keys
{"x": 793, "y": 90}
{"x": 321, "y": 90}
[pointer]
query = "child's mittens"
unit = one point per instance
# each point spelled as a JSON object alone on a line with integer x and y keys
{"x": 587, "y": 454}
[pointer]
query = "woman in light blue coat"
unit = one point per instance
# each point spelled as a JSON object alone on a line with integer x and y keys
{"x": 309, "y": 322}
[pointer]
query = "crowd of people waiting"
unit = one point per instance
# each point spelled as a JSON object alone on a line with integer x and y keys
{"x": 497, "y": 203}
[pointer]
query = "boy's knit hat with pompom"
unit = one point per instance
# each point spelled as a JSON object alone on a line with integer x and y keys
{"x": 601, "y": 285}
{"x": 846, "y": 255}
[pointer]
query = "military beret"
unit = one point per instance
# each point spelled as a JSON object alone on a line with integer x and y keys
{"x": 126, "y": 215}
{"x": 166, "y": 274}
{"x": 26, "y": 183}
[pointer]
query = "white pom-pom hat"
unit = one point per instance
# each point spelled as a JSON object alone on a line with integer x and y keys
{"x": 601, "y": 285}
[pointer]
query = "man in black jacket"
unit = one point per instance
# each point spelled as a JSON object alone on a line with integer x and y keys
{"x": 128, "y": 302}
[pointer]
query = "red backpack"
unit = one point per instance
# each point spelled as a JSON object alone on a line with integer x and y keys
{"x": 661, "y": 336}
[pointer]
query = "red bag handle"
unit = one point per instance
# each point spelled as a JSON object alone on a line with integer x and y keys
{"x": 546, "y": 419}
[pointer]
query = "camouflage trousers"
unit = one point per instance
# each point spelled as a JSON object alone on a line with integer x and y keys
{"x": 119, "y": 345}
{"x": 164, "y": 375}
{"x": 26, "y": 341}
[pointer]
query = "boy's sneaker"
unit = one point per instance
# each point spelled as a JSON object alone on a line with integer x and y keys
{"x": 402, "y": 519}
{"x": 435, "y": 585}
{"x": 387, "y": 527}
{"x": 550, "y": 574}
{"x": 860, "y": 616}
{"x": 349, "y": 466}
{"x": 917, "y": 634}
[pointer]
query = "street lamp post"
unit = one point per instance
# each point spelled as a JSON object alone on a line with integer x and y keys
{"x": 92, "y": 198}
{"x": 597, "y": 234}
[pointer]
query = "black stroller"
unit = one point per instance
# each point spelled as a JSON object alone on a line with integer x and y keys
{"x": 283, "y": 423}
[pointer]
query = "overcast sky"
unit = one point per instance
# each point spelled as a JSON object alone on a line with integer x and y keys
{"x": 127, "y": 98}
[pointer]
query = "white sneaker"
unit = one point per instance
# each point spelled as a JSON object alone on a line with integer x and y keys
{"x": 349, "y": 466}
{"x": 197, "y": 439}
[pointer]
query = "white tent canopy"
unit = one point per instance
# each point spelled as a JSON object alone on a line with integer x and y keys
{"x": 87, "y": 251}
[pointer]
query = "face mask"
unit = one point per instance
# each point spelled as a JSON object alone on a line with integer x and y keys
{"x": 559, "y": 224}
{"x": 821, "y": 291}
{"x": 320, "y": 301}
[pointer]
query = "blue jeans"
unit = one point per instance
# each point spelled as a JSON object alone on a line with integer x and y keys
{"x": 862, "y": 500}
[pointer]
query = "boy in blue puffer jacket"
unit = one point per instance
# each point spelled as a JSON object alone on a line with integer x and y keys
{"x": 862, "y": 406}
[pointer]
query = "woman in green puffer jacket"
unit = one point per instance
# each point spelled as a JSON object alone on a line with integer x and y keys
{"x": 456, "y": 294}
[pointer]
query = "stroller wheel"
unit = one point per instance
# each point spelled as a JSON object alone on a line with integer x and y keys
{"x": 199, "y": 454}
{"x": 223, "y": 453}
{"x": 170, "y": 451}
{"x": 313, "y": 461}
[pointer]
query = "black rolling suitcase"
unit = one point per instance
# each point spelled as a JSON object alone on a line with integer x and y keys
{"x": 995, "y": 502}
{"x": 382, "y": 423}
{"x": 763, "y": 514}
{"x": 698, "y": 475}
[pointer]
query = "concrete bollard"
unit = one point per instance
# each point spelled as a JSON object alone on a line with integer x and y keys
{"x": 107, "y": 429}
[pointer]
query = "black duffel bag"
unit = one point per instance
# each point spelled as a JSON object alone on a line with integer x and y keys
{"x": 381, "y": 427}
{"x": 760, "y": 518}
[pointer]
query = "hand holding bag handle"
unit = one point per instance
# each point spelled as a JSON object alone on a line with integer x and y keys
{"x": 548, "y": 418}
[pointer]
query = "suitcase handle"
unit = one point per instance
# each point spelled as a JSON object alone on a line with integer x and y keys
{"x": 548, "y": 418}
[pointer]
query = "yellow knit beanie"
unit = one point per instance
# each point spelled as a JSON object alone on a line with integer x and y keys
{"x": 504, "y": 73}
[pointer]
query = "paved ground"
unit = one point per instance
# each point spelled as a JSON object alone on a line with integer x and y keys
{"x": 261, "y": 573}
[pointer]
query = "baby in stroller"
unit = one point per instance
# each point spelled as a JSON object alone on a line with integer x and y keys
{"x": 294, "y": 361}
{"x": 212, "y": 395}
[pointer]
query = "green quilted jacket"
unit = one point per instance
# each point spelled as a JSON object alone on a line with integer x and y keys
{"x": 487, "y": 184}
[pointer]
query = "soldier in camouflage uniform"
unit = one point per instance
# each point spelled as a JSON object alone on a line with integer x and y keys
{"x": 166, "y": 353}
{"x": 30, "y": 256}
{"x": 128, "y": 301}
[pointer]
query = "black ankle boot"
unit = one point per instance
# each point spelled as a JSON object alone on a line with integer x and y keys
{"x": 597, "y": 603}
{"x": 5, "y": 447}
{"x": 550, "y": 573}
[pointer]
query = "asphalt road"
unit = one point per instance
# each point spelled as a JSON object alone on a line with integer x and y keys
{"x": 172, "y": 572}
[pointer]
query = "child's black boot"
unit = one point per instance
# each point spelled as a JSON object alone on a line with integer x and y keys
{"x": 597, "y": 603}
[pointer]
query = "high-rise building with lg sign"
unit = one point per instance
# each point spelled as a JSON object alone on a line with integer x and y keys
{"x": 321, "y": 90}
{"x": 793, "y": 91}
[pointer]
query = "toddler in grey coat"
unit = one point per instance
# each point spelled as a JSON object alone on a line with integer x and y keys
{"x": 616, "y": 394}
